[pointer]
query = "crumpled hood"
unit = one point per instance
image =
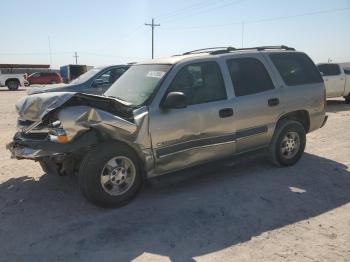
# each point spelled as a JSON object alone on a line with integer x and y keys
{"x": 48, "y": 88}
{"x": 35, "y": 107}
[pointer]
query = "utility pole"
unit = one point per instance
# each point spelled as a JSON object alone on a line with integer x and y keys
{"x": 242, "y": 33}
{"x": 76, "y": 57}
{"x": 50, "y": 52}
{"x": 153, "y": 25}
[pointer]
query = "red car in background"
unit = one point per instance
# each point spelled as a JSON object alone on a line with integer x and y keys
{"x": 44, "y": 78}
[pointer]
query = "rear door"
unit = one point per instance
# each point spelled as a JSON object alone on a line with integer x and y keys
{"x": 44, "y": 78}
{"x": 333, "y": 78}
{"x": 202, "y": 131}
{"x": 35, "y": 79}
{"x": 257, "y": 103}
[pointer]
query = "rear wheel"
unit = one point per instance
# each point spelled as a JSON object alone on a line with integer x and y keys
{"x": 347, "y": 99}
{"x": 110, "y": 175}
{"x": 288, "y": 143}
{"x": 12, "y": 85}
{"x": 53, "y": 82}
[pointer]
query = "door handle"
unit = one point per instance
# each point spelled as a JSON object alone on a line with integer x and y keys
{"x": 225, "y": 112}
{"x": 273, "y": 102}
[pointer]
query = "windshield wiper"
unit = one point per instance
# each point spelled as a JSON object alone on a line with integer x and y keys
{"x": 122, "y": 100}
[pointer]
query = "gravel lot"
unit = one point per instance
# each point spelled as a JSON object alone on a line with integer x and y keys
{"x": 237, "y": 210}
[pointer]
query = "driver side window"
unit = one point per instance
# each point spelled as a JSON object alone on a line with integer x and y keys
{"x": 200, "y": 82}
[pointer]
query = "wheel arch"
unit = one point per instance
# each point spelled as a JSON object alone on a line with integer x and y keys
{"x": 143, "y": 159}
{"x": 301, "y": 116}
{"x": 12, "y": 79}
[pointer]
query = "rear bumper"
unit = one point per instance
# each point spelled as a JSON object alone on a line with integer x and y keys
{"x": 23, "y": 148}
{"x": 317, "y": 120}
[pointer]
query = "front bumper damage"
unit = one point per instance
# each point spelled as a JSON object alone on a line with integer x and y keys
{"x": 86, "y": 119}
{"x": 24, "y": 148}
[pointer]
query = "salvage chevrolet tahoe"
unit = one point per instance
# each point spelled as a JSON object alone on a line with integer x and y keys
{"x": 170, "y": 114}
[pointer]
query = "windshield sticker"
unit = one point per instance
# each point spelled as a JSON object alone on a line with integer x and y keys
{"x": 155, "y": 74}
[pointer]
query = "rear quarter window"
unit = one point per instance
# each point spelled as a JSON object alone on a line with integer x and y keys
{"x": 296, "y": 68}
{"x": 329, "y": 69}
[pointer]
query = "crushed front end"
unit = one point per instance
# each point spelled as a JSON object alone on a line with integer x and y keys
{"x": 57, "y": 129}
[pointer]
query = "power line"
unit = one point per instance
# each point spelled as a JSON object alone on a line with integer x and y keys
{"x": 153, "y": 25}
{"x": 34, "y": 53}
{"x": 204, "y": 9}
{"x": 184, "y": 9}
{"x": 261, "y": 20}
{"x": 111, "y": 55}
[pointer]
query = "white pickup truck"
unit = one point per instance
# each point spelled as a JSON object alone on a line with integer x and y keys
{"x": 336, "y": 79}
{"x": 12, "y": 81}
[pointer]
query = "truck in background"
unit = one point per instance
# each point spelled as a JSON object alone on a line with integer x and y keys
{"x": 336, "y": 79}
{"x": 12, "y": 81}
{"x": 71, "y": 72}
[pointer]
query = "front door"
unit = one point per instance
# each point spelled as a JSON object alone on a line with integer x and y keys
{"x": 204, "y": 130}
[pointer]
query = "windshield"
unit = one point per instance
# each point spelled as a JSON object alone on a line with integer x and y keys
{"x": 86, "y": 76}
{"x": 138, "y": 83}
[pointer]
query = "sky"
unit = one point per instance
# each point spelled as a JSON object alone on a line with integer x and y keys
{"x": 108, "y": 32}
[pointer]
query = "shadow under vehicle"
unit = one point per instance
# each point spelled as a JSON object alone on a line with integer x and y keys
{"x": 220, "y": 205}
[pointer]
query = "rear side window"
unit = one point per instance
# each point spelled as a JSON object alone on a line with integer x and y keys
{"x": 329, "y": 69}
{"x": 296, "y": 68}
{"x": 249, "y": 76}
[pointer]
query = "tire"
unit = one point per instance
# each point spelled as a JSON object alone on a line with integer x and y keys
{"x": 12, "y": 85}
{"x": 103, "y": 164}
{"x": 282, "y": 150}
{"x": 347, "y": 99}
{"x": 53, "y": 82}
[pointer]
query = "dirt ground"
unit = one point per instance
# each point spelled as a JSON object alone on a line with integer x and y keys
{"x": 236, "y": 210}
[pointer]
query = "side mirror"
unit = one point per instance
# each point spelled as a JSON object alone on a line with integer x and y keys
{"x": 175, "y": 100}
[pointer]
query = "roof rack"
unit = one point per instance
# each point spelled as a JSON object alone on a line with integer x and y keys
{"x": 206, "y": 50}
{"x": 223, "y": 50}
{"x": 258, "y": 48}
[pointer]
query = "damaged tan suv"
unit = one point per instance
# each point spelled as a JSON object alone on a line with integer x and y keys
{"x": 170, "y": 114}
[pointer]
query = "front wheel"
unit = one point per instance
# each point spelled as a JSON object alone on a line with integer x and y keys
{"x": 12, "y": 85}
{"x": 288, "y": 143}
{"x": 110, "y": 175}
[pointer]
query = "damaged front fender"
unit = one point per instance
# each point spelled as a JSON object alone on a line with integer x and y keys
{"x": 79, "y": 114}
